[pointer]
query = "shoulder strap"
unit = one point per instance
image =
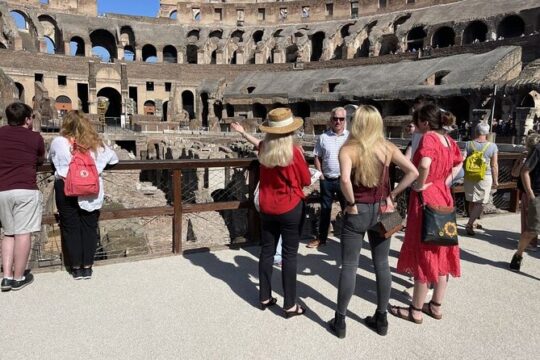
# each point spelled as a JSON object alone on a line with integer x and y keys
{"x": 485, "y": 147}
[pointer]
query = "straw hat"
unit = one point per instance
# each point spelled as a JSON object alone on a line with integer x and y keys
{"x": 281, "y": 121}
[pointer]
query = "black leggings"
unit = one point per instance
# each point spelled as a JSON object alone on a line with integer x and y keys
{"x": 289, "y": 226}
{"x": 79, "y": 228}
{"x": 352, "y": 237}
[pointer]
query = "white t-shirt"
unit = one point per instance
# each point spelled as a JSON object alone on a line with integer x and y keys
{"x": 60, "y": 156}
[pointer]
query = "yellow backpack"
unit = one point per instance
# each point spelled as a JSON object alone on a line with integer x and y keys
{"x": 475, "y": 164}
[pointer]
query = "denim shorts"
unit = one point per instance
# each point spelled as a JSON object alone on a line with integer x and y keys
{"x": 20, "y": 211}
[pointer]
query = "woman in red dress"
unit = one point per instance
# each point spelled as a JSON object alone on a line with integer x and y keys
{"x": 438, "y": 159}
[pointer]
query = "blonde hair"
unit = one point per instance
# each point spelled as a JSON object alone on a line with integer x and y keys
{"x": 276, "y": 150}
{"x": 366, "y": 136}
{"x": 79, "y": 128}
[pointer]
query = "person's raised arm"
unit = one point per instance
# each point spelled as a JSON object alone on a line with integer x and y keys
{"x": 345, "y": 165}
{"x": 240, "y": 129}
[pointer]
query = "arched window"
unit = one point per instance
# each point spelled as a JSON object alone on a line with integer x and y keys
{"x": 149, "y": 54}
{"x": 129, "y": 53}
{"x": 170, "y": 54}
{"x": 317, "y": 46}
{"x": 191, "y": 54}
{"x": 51, "y": 47}
{"x": 475, "y": 32}
{"x": 21, "y": 20}
{"x": 389, "y": 44}
{"x": 103, "y": 44}
{"x": 415, "y": 38}
{"x": 257, "y": 36}
{"x": 188, "y": 103}
{"x": 76, "y": 46}
{"x": 511, "y": 26}
{"x": 173, "y": 15}
{"x": 149, "y": 107}
{"x": 443, "y": 37}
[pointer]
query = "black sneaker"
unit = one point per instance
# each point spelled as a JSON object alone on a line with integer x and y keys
{"x": 6, "y": 284}
{"x": 77, "y": 274}
{"x": 19, "y": 284}
{"x": 87, "y": 273}
{"x": 515, "y": 264}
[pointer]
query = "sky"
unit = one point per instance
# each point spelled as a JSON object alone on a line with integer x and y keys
{"x": 129, "y": 7}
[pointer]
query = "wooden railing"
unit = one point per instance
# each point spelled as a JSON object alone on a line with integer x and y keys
{"x": 177, "y": 208}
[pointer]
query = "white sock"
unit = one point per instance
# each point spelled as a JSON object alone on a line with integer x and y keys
{"x": 21, "y": 279}
{"x": 9, "y": 277}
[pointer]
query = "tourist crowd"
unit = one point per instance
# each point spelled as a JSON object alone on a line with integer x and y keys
{"x": 354, "y": 162}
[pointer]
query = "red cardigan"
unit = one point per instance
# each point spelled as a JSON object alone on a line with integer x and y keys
{"x": 280, "y": 188}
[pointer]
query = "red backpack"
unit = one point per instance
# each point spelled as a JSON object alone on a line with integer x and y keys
{"x": 82, "y": 178}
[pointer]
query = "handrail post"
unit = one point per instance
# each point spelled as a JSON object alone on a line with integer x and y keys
{"x": 254, "y": 220}
{"x": 177, "y": 218}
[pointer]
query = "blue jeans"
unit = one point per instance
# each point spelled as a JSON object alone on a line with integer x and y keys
{"x": 330, "y": 188}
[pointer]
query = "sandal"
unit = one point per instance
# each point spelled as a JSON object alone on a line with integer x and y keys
{"x": 396, "y": 311}
{"x": 427, "y": 309}
{"x": 299, "y": 310}
{"x": 271, "y": 302}
{"x": 469, "y": 230}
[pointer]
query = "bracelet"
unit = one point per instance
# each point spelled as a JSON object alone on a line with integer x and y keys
{"x": 350, "y": 203}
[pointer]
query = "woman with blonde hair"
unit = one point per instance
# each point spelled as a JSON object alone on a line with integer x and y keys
{"x": 283, "y": 174}
{"x": 79, "y": 215}
{"x": 364, "y": 161}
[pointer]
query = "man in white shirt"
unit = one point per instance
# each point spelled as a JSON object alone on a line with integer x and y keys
{"x": 326, "y": 161}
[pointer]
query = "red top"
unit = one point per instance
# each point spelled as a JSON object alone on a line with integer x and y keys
{"x": 365, "y": 195}
{"x": 20, "y": 150}
{"x": 280, "y": 188}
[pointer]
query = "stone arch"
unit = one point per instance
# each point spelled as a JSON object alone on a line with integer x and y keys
{"x": 188, "y": 103}
{"x": 213, "y": 57}
{"x": 291, "y": 53}
{"x": 511, "y": 26}
{"x": 191, "y": 53}
{"x": 317, "y": 40}
{"x": 103, "y": 39}
{"x": 218, "y": 33}
{"x": 51, "y": 31}
{"x": 237, "y": 36}
{"x": 115, "y": 102}
{"x": 76, "y": 46}
{"x": 345, "y": 30}
{"x": 258, "y": 36}
{"x": 400, "y": 21}
{"x": 415, "y": 38}
{"x": 476, "y": 31}
{"x": 363, "y": 50}
{"x": 149, "y": 107}
{"x": 127, "y": 36}
{"x": 193, "y": 35}
{"x": 443, "y": 37}
{"x": 389, "y": 44}
{"x": 20, "y": 91}
{"x": 149, "y": 53}
{"x": 63, "y": 104}
{"x": 21, "y": 19}
{"x": 170, "y": 54}
{"x": 173, "y": 15}
{"x": 259, "y": 110}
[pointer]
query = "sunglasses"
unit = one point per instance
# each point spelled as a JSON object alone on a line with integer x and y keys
{"x": 336, "y": 119}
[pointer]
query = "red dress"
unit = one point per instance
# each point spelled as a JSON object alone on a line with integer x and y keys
{"x": 427, "y": 262}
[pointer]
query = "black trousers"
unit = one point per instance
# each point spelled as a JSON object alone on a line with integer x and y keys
{"x": 289, "y": 226}
{"x": 79, "y": 228}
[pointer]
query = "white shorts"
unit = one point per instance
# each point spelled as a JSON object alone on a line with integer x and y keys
{"x": 20, "y": 211}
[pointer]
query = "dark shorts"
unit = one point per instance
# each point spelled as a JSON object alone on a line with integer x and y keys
{"x": 533, "y": 217}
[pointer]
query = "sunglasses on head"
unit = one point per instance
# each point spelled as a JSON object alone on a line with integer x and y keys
{"x": 335, "y": 118}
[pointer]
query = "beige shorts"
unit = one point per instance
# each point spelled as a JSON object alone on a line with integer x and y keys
{"x": 533, "y": 215}
{"x": 478, "y": 192}
{"x": 20, "y": 211}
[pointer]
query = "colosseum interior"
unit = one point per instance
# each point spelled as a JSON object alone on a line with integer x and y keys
{"x": 169, "y": 86}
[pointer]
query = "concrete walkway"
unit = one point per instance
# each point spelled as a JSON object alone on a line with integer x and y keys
{"x": 203, "y": 306}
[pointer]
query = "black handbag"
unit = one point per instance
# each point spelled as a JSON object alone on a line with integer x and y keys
{"x": 388, "y": 222}
{"x": 439, "y": 225}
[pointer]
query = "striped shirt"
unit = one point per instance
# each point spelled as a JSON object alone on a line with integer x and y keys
{"x": 327, "y": 150}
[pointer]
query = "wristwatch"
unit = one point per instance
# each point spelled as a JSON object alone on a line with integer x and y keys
{"x": 350, "y": 203}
